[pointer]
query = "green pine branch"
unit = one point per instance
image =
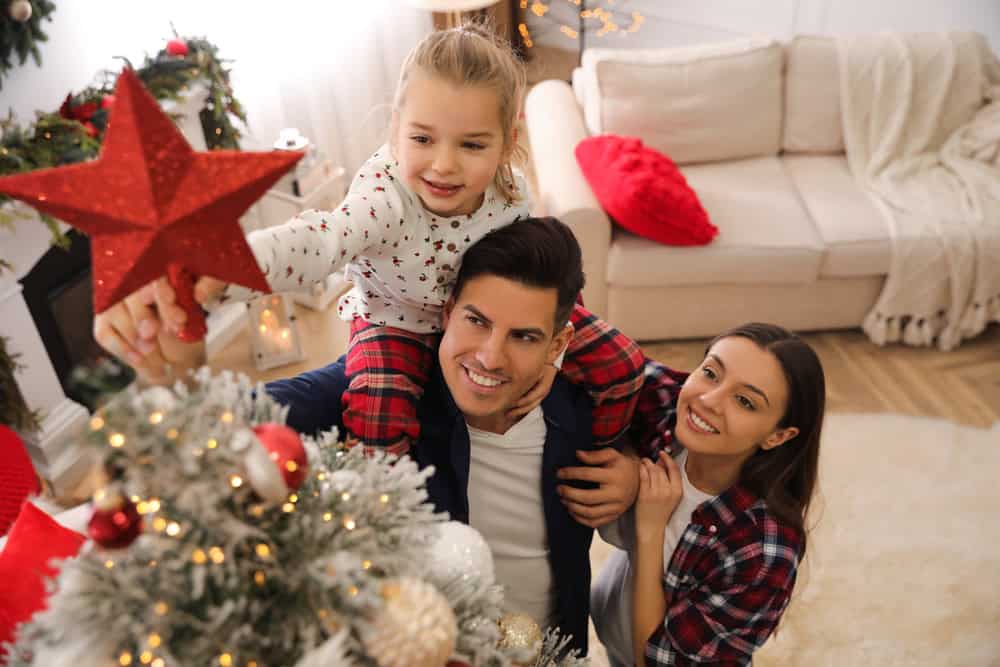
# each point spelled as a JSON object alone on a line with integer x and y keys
{"x": 18, "y": 41}
{"x": 53, "y": 140}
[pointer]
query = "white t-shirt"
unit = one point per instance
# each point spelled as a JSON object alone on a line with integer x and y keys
{"x": 505, "y": 505}
{"x": 401, "y": 258}
{"x": 611, "y": 594}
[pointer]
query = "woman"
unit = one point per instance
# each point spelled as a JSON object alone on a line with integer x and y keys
{"x": 708, "y": 556}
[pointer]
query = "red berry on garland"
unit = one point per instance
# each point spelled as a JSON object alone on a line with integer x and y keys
{"x": 280, "y": 465}
{"x": 115, "y": 522}
{"x": 177, "y": 47}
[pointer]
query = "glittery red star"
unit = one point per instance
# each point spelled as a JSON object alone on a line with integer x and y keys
{"x": 153, "y": 206}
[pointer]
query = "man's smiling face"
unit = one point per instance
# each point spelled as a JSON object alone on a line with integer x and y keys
{"x": 498, "y": 336}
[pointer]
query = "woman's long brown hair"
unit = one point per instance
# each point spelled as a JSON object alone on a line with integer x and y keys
{"x": 785, "y": 476}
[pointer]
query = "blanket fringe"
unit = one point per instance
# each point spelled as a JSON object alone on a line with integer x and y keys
{"x": 927, "y": 330}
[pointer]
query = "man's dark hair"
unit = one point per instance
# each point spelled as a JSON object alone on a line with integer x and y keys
{"x": 537, "y": 252}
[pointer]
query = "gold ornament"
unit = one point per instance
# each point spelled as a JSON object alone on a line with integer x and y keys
{"x": 20, "y": 10}
{"x": 520, "y": 632}
{"x": 416, "y": 626}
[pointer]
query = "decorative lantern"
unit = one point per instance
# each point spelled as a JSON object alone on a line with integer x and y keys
{"x": 274, "y": 332}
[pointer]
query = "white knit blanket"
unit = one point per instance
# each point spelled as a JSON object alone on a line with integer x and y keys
{"x": 921, "y": 117}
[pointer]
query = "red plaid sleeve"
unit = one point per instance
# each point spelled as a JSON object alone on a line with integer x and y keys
{"x": 739, "y": 594}
{"x": 609, "y": 365}
{"x": 652, "y": 426}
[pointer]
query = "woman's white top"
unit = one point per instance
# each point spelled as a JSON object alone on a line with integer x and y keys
{"x": 611, "y": 593}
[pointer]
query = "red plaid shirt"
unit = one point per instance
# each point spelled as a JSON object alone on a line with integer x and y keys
{"x": 732, "y": 573}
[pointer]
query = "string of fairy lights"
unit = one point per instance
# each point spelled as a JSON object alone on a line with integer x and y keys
{"x": 215, "y": 554}
{"x": 607, "y": 17}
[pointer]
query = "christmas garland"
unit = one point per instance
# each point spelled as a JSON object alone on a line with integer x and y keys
{"x": 21, "y": 30}
{"x": 74, "y": 133}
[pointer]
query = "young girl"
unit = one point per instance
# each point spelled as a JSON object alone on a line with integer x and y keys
{"x": 444, "y": 180}
{"x": 707, "y": 558}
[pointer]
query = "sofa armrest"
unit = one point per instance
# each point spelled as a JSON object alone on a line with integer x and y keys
{"x": 555, "y": 126}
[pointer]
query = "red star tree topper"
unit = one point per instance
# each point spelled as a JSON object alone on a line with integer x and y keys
{"x": 153, "y": 206}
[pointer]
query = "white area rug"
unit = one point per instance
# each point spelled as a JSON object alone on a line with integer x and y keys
{"x": 904, "y": 559}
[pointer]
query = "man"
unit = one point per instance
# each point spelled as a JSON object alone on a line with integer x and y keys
{"x": 505, "y": 322}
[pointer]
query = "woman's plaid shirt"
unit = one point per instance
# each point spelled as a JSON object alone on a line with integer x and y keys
{"x": 732, "y": 573}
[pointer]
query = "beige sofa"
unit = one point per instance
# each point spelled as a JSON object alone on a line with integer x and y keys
{"x": 755, "y": 127}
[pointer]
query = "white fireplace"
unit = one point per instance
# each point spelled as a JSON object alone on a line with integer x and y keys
{"x": 53, "y": 449}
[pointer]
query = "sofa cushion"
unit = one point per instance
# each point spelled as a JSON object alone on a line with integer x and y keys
{"x": 765, "y": 234}
{"x": 35, "y": 540}
{"x": 696, "y": 104}
{"x": 854, "y": 231}
{"x": 812, "y": 97}
{"x": 643, "y": 191}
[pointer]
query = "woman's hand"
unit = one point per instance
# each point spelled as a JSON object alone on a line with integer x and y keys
{"x": 660, "y": 491}
{"x": 534, "y": 396}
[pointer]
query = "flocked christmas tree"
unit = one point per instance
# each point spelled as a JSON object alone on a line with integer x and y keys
{"x": 221, "y": 537}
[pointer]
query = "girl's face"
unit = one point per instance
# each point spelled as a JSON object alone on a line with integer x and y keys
{"x": 449, "y": 143}
{"x": 731, "y": 404}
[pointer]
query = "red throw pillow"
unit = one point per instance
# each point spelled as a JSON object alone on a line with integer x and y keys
{"x": 643, "y": 191}
{"x": 34, "y": 540}
{"x": 17, "y": 477}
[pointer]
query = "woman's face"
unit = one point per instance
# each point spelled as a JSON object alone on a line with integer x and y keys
{"x": 731, "y": 404}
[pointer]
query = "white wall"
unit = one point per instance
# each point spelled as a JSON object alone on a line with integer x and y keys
{"x": 325, "y": 66}
{"x": 680, "y": 22}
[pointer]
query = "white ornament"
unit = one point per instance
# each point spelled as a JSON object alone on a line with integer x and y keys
{"x": 263, "y": 475}
{"x": 20, "y": 10}
{"x": 416, "y": 626}
{"x": 159, "y": 399}
{"x": 460, "y": 552}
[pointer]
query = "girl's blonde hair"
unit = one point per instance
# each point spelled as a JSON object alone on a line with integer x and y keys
{"x": 474, "y": 55}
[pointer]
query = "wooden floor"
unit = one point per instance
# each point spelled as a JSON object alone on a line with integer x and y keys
{"x": 962, "y": 386}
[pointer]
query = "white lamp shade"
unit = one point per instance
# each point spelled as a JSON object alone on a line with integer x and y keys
{"x": 451, "y": 5}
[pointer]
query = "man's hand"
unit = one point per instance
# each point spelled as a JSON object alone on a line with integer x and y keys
{"x": 141, "y": 330}
{"x": 617, "y": 474}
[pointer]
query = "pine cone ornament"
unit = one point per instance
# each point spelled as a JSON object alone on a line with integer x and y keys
{"x": 520, "y": 631}
{"x": 415, "y": 628}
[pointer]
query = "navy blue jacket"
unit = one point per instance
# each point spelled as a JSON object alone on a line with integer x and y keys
{"x": 314, "y": 405}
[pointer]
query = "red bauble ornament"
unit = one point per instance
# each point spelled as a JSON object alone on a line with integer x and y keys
{"x": 108, "y": 101}
{"x": 115, "y": 522}
{"x": 150, "y": 203}
{"x": 177, "y": 47}
{"x": 280, "y": 465}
